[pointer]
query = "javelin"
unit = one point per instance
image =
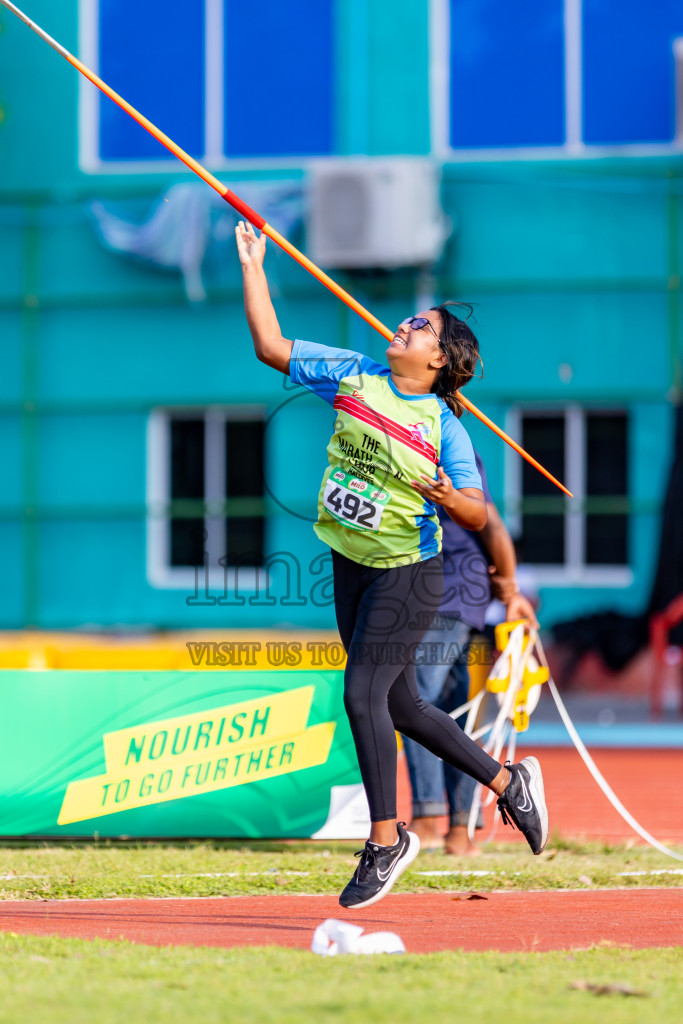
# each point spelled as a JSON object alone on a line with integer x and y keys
{"x": 256, "y": 219}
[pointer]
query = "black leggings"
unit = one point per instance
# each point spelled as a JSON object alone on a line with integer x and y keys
{"x": 382, "y": 615}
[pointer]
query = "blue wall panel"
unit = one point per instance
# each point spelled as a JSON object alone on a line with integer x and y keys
{"x": 12, "y": 610}
{"x": 521, "y": 225}
{"x": 12, "y": 240}
{"x": 173, "y": 354}
{"x": 71, "y": 252}
{"x": 629, "y": 70}
{"x": 10, "y": 346}
{"x": 93, "y": 461}
{"x": 296, "y": 440}
{"x": 610, "y": 341}
{"x": 92, "y": 573}
{"x": 561, "y": 604}
{"x": 507, "y": 73}
{"x": 10, "y": 461}
{"x": 153, "y": 55}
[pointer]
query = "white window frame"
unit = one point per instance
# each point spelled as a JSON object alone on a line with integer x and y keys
{"x": 213, "y": 577}
{"x": 574, "y": 572}
{"x": 573, "y": 146}
{"x": 89, "y": 99}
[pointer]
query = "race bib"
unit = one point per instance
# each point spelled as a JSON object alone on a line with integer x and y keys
{"x": 355, "y": 503}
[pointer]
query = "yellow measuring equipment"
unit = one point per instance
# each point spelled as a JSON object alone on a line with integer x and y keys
{"x": 533, "y": 674}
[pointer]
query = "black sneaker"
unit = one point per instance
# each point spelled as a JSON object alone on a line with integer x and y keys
{"x": 379, "y": 868}
{"x": 523, "y": 803}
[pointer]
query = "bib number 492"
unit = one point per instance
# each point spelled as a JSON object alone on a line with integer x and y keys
{"x": 358, "y": 511}
{"x": 350, "y": 506}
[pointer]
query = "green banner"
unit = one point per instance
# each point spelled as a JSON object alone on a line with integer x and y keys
{"x": 152, "y": 754}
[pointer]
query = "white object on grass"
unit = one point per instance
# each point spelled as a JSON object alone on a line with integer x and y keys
{"x": 333, "y": 937}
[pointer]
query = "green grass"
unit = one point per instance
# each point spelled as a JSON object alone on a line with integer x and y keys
{"x": 107, "y": 869}
{"x": 68, "y": 981}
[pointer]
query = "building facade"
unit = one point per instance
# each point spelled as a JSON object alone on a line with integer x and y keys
{"x": 155, "y": 475}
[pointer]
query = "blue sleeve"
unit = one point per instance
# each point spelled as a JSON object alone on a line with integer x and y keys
{"x": 457, "y": 454}
{"x": 320, "y": 368}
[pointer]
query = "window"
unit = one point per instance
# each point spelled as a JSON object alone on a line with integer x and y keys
{"x": 205, "y": 487}
{"x": 182, "y": 66}
{"x": 551, "y": 74}
{"x": 506, "y": 74}
{"x": 581, "y": 539}
{"x": 629, "y": 71}
{"x": 542, "y": 538}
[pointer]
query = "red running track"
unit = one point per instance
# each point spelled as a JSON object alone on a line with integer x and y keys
{"x": 534, "y": 921}
{"x": 646, "y": 781}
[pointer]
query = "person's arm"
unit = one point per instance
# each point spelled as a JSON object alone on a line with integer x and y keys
{"x": 458, "y": 482}
{"x": 270, "y": 347}
{"x": 501, "y": 551}
{"x": 465, "y": 505}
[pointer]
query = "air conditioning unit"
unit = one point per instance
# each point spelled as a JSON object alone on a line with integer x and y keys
{"x": 375, "y": 213}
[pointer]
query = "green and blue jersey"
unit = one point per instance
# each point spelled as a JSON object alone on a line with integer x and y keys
{"x": 382, "y": 440}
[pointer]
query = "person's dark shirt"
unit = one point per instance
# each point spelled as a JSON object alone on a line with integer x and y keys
{"x": 467, "y": 589}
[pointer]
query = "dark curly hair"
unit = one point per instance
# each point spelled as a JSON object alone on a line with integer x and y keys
{"x": 461, "y": 348}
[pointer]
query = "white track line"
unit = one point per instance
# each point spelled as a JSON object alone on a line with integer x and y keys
{"x": 329, "y": 895}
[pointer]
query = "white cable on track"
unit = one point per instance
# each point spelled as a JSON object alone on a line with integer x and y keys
{"x": 595, "y": 771}
{"x": 497, "y": 733}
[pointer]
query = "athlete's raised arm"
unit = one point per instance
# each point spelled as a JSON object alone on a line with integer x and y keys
{"x": 270, "y": 347}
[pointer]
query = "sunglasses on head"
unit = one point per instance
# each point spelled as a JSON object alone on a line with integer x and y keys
{"x": 416, "y": 323}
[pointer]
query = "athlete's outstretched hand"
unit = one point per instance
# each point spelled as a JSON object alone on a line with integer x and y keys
{"x": 438, "y": 491}
{"x": 250, "y": 249}
{"x": 270, "y": 347}
{"x": 465, "y": 505}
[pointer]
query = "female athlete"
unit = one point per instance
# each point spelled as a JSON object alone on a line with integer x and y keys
{"x": 398, "y": 450}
